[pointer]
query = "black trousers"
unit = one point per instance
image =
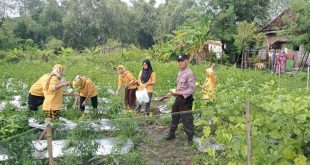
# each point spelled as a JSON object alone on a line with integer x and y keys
{"x": 94, "y": 102}
{"x": 34, "y": 102}
{"x": 186, "y": 116}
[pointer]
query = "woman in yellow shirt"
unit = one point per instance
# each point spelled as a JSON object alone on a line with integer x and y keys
{"x": 146, "y": 79}
{"x": 87, "y": 89}
{"x": 127, "y": 79}
{"x": 53, "y": 92}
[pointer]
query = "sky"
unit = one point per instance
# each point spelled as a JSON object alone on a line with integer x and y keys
{"x": 158, "y": 2}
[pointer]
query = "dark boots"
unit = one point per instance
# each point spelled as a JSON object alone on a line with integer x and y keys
{"x": 170, "y": 136}
{"x": 190, "y": 140}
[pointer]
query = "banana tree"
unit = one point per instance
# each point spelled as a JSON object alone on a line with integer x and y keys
{"x": 191, "y": 40}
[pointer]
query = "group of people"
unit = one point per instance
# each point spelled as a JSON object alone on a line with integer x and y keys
{"x": 183, "y": 93}
{"x": 146, "y": 80}
{"x": 48, "y": 90}
{"x": 278, "y": 59}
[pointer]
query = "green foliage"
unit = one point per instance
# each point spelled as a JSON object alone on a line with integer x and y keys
{"x": 12, "y": 123}
{"x": 245, "y": 35}
{"x": 14, "y": 55}
{"x": 176, "y": 13}
{"x": 279, "y": 109}
{"x": 245, "y": 10}
{"x": 18, "y": 149}
{"x": 134, "y": 157}
{"x": 224, "y": 24}
{"x": 27, "y": 28}
{"x": 82, "y": 24}
{"x": 189, "y": 39}
{"x": 298, "y": 29}
{"x": 129, "y": 127}
{"x": 228, "y": 14}
{"x": 85, "y": 145}
{"x": 119, "y": 58}
{"x": 270, "y": 103}
{"x": 54, "y": 44}
{"x": 163, "y": 52}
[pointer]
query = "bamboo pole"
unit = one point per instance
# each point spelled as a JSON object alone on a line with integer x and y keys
{"x": 248, "y": 131}
{"x": 49, "y": 144}
{"x": 279, "y": 74}
{"x": 42, "y": 134}
{"x": 308, "y": 79}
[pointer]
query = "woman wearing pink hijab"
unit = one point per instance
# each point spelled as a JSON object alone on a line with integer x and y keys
{"x": 280, "y": 62}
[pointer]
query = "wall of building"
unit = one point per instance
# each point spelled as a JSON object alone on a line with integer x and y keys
{"x": 280, "y": 41}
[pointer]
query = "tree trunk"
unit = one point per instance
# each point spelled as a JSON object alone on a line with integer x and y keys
{"x": 242, "y": 59}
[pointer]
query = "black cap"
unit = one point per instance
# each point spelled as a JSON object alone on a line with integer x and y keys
{"x": 182, "y": 57}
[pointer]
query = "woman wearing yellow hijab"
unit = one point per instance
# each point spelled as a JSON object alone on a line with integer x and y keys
{"x": 87, "y": 89}
{"x": 209, "y": 86}
{"x": 53, "y": 92}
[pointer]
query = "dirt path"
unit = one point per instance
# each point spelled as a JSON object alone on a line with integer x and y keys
{"x": 162, "y": 152}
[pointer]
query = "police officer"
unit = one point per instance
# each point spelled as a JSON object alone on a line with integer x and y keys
{"x": 183, "y": 102}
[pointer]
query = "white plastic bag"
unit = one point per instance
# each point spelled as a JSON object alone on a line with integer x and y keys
{"x": 142, "y": 96}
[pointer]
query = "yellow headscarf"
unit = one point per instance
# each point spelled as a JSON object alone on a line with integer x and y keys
{"x": 210, "y": 85}
{"x": 58, "y": 70}
{"x": 121, "y": 66}
{"x": 79, "y": 81}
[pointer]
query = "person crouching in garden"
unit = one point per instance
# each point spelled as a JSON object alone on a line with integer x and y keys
{"x": 53, "y": 93}
{"x": 146, "y": 79}
{"x": 126, "y": 79}
{"x": 36, "y": 96}
{"x": 86, "y": 89}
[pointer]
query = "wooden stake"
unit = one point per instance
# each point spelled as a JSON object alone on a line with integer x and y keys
{"x": 42, "y": 134}
{"x": 49, "y": 144}
{"x": 248, "y": 131}
{"x": 308, "y": 80}
{"x": 279, "y": 74}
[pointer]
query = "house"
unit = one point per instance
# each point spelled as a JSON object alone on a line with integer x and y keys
{"x": 214, "y": 46}
{"x": 276, "y": 39}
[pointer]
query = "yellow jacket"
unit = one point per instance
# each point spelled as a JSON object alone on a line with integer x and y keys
{"x": 53, "y": 98}
{"x": 209, "y": 87}
{"x": 125, "y": 78}
{"x": 149, "y": 88}
{"x": 88, "y": 87}
{"x": 37, "y": 88}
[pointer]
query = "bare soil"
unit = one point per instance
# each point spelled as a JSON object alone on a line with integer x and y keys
{"x": 162, "y": 152}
